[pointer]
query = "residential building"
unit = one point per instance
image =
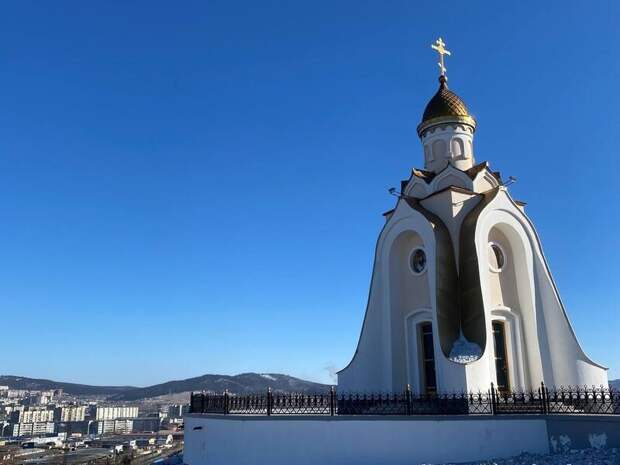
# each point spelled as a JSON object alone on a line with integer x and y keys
{"x": 70, "y": 413}
{"x": 72, "y": 427}
{"x": 146, "y": 424}
{"x": 16, "y": 393}
{"x": 116, "y": 426}
{"x": 32, "y": 429}
{"x": 31, "y": 415}
{"x": 177, "y": 410}
{"x": 113, "y": 413}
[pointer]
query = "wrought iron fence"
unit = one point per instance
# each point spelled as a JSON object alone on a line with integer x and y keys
{"x": 546, "y": 401}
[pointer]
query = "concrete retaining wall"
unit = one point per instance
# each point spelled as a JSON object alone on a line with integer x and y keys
{"x": 572, "y": 432}
{"x": 304, "y": 440}
{"x": 247, "y": 440}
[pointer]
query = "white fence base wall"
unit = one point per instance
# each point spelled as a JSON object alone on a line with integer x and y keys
{"x": 246, "y": 440}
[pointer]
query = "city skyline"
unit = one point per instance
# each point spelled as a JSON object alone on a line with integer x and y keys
{"x": 199, "y": 190}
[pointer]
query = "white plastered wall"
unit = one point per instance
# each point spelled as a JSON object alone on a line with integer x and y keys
{"x": 407, "y": 291}
{"x": 451, "y": 176}
{"x": 244, "y": 440}
{"x": 448, "y": 143}
{"x": 372, "y": 367}
{"x": 485, "y": 181}
{"x": 452, "y": 207}
{"x": 546, "y": 348}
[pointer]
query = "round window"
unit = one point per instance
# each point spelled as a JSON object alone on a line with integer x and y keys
{"x": 497, "y": 259}
{"x": 418, "y": 261}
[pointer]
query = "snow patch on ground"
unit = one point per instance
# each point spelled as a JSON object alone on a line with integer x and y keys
{"x": 269, "y": 377}
{"x": 464, "y": 351}
{"x": 597, "y": 441}
{"x": 573, "y": 457}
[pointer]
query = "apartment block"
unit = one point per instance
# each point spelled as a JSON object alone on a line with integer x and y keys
{"x": 32, "y": 416}
{"x": 70, "y": 413}
{"x": 113, "y": 413}
{"x": 32, "y": 429}
{"x": 124, "y": 426}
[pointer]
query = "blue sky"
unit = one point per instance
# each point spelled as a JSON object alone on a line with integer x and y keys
{"x": 197, "y": 187}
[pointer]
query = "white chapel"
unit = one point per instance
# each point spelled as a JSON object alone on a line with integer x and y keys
{"x": 461, "y": 294}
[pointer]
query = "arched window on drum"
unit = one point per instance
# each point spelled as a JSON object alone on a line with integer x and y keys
{"x": 458, "y": 148}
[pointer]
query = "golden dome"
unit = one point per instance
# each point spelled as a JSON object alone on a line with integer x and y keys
{"x": 445, "y": 107}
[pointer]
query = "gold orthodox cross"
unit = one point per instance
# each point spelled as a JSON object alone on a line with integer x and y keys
{"x": 440, "y": 46}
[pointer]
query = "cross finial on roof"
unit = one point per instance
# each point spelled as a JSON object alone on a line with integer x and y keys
{"x": 440, "y": 46}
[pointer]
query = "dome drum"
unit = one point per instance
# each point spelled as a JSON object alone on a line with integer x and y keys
{"x": 447, "y": 131}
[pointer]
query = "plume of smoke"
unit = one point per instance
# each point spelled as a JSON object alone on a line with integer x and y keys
{"x": 331, "y": 371}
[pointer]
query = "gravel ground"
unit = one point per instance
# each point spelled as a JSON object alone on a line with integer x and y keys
{"x": 574, "y": 457}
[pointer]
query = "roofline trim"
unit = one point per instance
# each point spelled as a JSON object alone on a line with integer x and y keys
{"x": 459, "y": 119}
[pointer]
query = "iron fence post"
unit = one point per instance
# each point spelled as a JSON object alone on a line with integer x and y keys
{"x": 332, "y": 401}
{"x": 543, "y": 398}
{"x": 409, "y": 408}
{"x": 493, "y": 400}
{"x": 226, "y": 407}
{"x": 269, "y": 401}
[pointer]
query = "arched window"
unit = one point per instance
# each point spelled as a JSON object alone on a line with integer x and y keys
{"x": 458, "y": 149}
{"x": 501, "y": 356}
{"x": 427, "y": 357}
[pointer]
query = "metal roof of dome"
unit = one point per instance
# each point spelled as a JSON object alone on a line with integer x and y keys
{"x": 444, "y": 103}
{"x": 445, "y": 106}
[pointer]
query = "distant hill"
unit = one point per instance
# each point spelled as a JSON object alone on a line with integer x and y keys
{"x": 20, "y": 382}
{"x": 615, "y": 384}
{"x": 243, "y": 383}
